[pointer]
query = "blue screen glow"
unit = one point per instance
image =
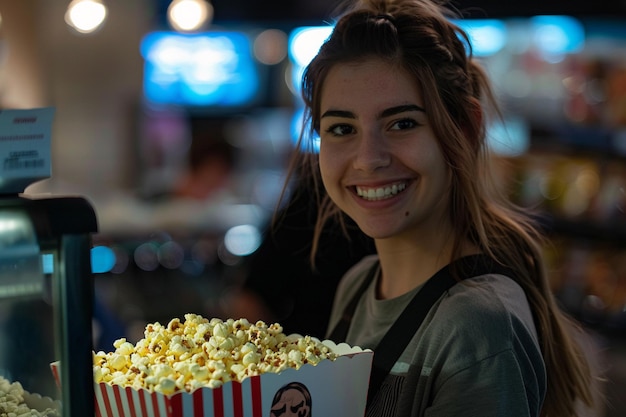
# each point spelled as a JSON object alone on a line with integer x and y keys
{"x": 487, "y": 36}
{"x": 558, "y": 34}
{"x": 205, "y": 69}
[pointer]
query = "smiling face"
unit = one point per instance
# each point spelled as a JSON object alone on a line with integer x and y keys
{"x": 379, "y": 158}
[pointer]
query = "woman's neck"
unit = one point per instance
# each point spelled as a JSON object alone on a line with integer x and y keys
{"x": 407, "y": 266}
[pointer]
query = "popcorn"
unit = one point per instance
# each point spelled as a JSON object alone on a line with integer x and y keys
{"x": 12, "y": 402}
{"x": 197, "y": 353}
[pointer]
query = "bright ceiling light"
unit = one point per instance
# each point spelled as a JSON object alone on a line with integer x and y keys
{"x": 85, "y": 16}
{"x": 189, "y": 15}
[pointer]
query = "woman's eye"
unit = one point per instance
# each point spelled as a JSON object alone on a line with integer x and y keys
{"x": 404, "y": 124}
{"x": 340, "y": 130}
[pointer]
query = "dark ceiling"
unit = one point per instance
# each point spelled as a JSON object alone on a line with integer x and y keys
{"x": 315, "y": 11}
{"x": 281, "y": 10}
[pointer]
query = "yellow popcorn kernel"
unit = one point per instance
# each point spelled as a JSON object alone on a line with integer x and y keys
{"x": 193, "y": 385}
{"x": 151, "y": 381}
{"x": 203, "y": 328}
{"x": 212, "y": 365}
{"x": 241, "y": 324}
{"x": 99, "y": 355}
{"x": 215, "y": 341}
{"x": 237, "y": 368}
{"x": 199, "y": 373}
{"x": 118, "y": 362}
{"x": 119, "y": 379}
{"x": 118, "y": 342}
{"x": 125, "y": 348}
{"x": 221, "y": 375}
{"x": 302, "y": 343}
{"x": 152, "y": 329}
{"x": 158, "y": 347}
{"x": 97, "y": 373}
{"x": 265, "y": 368}
{"x": 199, "y": 358}
{"x": 188, "y": 342}
{"x": 166, "y": 386}
{"x": 251, "y": 357}
{"x": 312, "y": 358}
{"x": 195, "y": 318}
{"x": 158, "y": 336}
{"x": 180, "y": 382}
{"x": 252, "y": 369}
{"x": 214, "y": 383}
{"x": 240, "y": 336}
{"x": 296, "y": 357}
{"x": 275, "y": 328}
{"x": 138, "y": 359}
{"x": 175, "y": 326}
{"x": 177, "y": 349}
{"x": 162, "y": 370}
{"x": 99, "y": 361}
{"x": 181, "y": 367}
{"x": 133, "y": 370}
{"x": 221, "y": 330}
{"x": 219, "y": 354}
{"x": 248, "y": 347}
{"x": 227, "y": 344}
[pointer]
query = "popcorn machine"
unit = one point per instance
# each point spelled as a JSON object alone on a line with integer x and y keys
{"x": 46, "y": 292}
{"x": 46, "y": 282}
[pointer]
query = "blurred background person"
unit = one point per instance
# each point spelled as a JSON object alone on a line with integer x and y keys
{"x": 281, "y": 281}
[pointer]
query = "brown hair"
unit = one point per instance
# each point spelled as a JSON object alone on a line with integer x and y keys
{"x": 420, "y": 36}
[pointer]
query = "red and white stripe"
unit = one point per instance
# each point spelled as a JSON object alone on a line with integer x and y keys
{"x": 231, "y": 400}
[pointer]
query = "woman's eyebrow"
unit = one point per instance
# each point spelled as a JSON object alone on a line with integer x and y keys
{"x": 338, "y": 113}
{"x": 385, "y": 113}
{"x": 401, "y": 109}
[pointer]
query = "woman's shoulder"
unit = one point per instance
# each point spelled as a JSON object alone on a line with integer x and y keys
{"x": 363, "y": 266}
{"x": 482, "y": 320}
{"x": 490, "y": 294}
{"x": 493, "y": 306}
{"x": 350, "y": 284}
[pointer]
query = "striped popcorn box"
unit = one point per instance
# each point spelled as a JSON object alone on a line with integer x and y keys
{"x": 331, "y": 389}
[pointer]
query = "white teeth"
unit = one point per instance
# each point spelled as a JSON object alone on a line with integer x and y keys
{"x": 380, "y": 193}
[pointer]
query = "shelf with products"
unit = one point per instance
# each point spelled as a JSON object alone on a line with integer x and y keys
{"x": 589, "y": 280}
{"x": 575, "y": 191}
{"x": 574, "y": 177}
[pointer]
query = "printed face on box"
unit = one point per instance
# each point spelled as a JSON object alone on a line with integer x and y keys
{"x": 292, "y": 400}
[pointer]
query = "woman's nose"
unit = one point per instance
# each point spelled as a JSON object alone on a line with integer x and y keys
{"x": 371, "y": 153}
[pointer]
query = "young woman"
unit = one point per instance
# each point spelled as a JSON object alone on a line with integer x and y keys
{"x": 401, "y": 108}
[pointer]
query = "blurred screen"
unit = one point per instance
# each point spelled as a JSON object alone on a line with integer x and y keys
{"x": 211, "y": 69}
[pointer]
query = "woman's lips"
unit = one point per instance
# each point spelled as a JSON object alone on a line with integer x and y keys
{"x": 380, "y": 192}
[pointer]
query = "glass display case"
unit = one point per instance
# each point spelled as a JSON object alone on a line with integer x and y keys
{"x": 46, "y": 298}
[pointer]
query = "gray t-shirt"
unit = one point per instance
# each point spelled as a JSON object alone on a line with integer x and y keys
{"x": 476, "y": 353}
